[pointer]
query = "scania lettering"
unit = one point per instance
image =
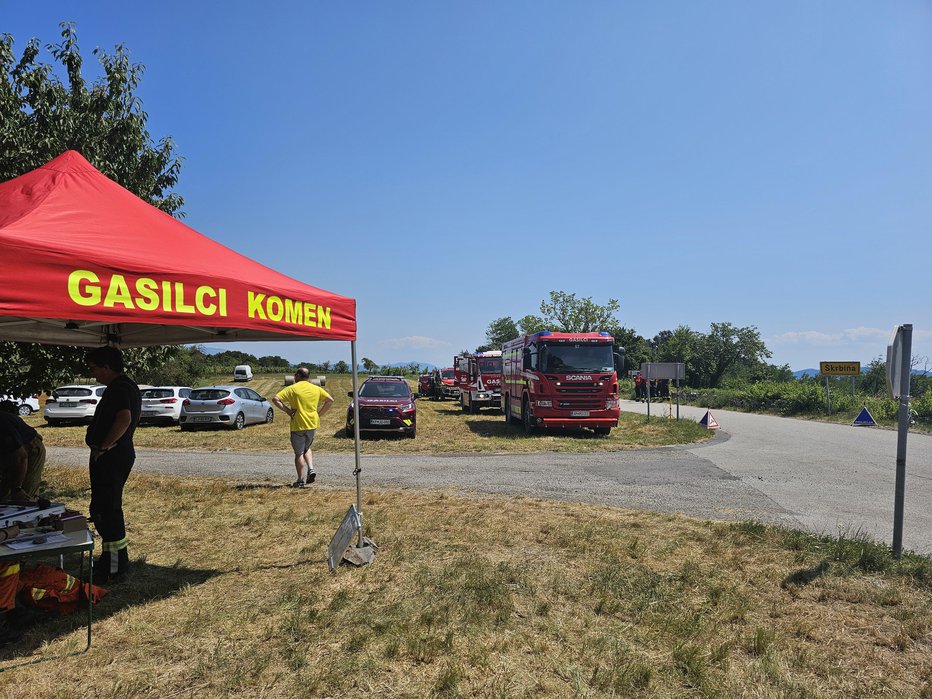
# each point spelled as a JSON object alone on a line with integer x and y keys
{"x": 479, "y": 379}
{"x": 567, "y": 380}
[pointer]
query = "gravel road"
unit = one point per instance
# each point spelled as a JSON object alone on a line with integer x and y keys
{"x": 803, "y": 474}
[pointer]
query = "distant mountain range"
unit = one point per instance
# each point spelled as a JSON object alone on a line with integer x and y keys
{"x": 815, "y": 372}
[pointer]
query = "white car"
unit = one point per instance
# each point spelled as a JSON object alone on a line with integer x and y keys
{"x": 27, "y": 406}
{"x": 163, "y": 403}
{"x": 73, "y": 404}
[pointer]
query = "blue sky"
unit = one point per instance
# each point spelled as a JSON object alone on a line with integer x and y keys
{"x": 447, "y": 164}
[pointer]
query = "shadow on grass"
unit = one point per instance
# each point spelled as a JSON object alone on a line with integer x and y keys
{"x": 149, "y": 583}
{"x": 484, "y": 428}
{"x": 805, "y": 576}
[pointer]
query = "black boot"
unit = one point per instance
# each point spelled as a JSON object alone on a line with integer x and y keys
{"x": 112, "y": 567}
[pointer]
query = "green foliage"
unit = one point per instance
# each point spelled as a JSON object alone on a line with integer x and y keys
{"x": 41, "y": 117}
{"x": 566, "y": 313}
{"x": 500, "y": 331}
{"x": 185, "y": 367}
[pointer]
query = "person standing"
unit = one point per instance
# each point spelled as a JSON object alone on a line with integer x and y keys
{"x": 305, "y": 403}
{"x": 22, "y": 456}
{"x": 110, "y": 437}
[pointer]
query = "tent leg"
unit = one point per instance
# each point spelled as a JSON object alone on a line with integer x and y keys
{"x": 358, "y": 471}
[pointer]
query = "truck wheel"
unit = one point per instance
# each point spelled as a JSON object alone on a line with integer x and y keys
{"x": 463, "y": 406}
{"x": 473, "y": 409}
{"x": 507, "y": 411}
{"x": 602, "y": 431}
{"x": 526, "y": 418}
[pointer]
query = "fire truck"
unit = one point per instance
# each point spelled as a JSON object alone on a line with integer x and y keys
{"x": 479, "y": 378}
{"x": 554, "y": 379}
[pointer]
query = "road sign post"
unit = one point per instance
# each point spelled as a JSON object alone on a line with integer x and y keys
{"x": 899, "y": 353}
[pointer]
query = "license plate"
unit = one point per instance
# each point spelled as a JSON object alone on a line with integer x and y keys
{"x": 380, "y": 422}
{"x": 149, "y": 412}
{"x": 579, "y": 413}
{"x": 201, "y": 419}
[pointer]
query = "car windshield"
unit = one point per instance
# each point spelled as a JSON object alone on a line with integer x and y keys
{"x": 490, "y": 365}
{"x": 570, "y": 358}
{"x": 446, "y": 374}
{"x": 158, "y": 393}
{"x": 209, "y": 394}
{"x": 71, "y": 392}
{"x": 383, "y": 389}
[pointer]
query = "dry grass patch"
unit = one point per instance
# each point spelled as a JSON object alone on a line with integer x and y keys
{"x": 504, "y": 597}
{"x": 442, "y": 428}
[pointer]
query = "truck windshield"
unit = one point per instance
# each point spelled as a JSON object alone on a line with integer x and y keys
{"x": 490, "y": 365}
{"x": 567, "y": 359}
{"x": 447, "y": 374}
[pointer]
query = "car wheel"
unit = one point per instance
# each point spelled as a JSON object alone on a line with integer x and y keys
{"x": 527, "y": 420}
{"x": 412, "y": 434}
{"x": 602, "y": 431}
{"x": 187, "y": 428}
{"x": 240, "y": 421}
{"x": 270, "y": 417}
{"x": 25, "y": 410}
{"x": 348, "y": 432}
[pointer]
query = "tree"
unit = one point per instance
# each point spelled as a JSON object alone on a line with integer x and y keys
{"x": 637, "y": 349}
{"x": 566, "y": 313}
{"x": 341, "y": 367}
{"x": 41, "y": 117}
{"x": 368, "y": 365}
{"x": 726, "y": 348}
{"x": 500, "y": 331}
{"x": 531, "y": 324}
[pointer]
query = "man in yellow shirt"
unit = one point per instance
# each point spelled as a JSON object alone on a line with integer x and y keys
{"x": 305, "y": 403}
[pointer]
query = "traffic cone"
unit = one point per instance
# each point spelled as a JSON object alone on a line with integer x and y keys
{"x": 709, "y": 420}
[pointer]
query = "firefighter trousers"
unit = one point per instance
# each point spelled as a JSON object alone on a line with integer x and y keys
{"x": 109, "y": 473}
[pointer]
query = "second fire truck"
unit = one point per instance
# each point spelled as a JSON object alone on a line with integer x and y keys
{"x": 554, "y": 379}
{"x": 479, "y": 378}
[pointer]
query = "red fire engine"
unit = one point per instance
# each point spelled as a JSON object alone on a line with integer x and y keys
{"x": 553, "y": 379}
{"x": 479, "y": 378}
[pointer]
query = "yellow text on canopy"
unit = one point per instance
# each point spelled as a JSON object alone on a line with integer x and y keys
{"x": 279, "y": 310}
{"x": 87, "y": 288}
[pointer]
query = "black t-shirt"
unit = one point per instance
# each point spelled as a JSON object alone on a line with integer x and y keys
{"x": 121, "y": 394}
{"x": 14, "y": 433}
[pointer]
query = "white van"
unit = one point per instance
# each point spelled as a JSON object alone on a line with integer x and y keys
{"x": 242, "y": 373}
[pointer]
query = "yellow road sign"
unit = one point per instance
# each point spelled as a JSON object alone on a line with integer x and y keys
{"x": 840, "y": 368}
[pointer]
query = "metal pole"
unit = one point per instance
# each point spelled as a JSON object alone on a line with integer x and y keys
{"x": 899, "y": 496}
{"x": 648, "y": 391}
{"x": 358, "y": 470}
{"x": 677, "y": 397}
{"x": 828, "y": 396}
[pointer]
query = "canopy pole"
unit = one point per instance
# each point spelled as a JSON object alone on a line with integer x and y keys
{"x": 358, "y": 471}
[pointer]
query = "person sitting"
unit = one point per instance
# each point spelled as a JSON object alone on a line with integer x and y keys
{"x": 22, "y": 456}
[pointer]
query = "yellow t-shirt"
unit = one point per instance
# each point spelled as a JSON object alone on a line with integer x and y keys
{"x": 304, "y": 397}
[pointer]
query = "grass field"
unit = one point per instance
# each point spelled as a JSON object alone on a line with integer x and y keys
{"x": 442, "y": 428}
{"x": 487, "y": 597}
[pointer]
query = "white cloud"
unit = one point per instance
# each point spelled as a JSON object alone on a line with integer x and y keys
{"x": 413, "y": 341}
{"x": 815, "y": 337}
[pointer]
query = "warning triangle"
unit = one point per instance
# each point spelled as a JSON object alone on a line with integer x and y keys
{"x": 864, "y": 418}
{"x": 709, "y": 420}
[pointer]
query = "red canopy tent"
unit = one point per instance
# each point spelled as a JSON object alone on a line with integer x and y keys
{"x": 87, "y": 263}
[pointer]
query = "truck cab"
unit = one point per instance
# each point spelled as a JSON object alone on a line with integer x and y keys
{"x": 479, "y": 378}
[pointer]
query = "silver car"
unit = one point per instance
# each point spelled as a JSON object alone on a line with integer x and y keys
{"x": 73, "y": 404}
{"x": 163, "y": 403}
{"x": 227, "y": 406}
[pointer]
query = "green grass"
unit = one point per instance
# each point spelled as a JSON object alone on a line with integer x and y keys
{"x": 491, "y": 597}
{"x": 442, "y": 428}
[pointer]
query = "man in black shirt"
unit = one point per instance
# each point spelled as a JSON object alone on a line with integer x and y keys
{"x": 22, "y": 457}
{"x": 110, "y": 437}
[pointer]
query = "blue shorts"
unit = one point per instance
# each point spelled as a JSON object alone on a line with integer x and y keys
{"x": 301, "y": 441}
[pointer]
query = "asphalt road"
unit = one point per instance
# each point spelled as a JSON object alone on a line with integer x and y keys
{"x": 809, "y": 475}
